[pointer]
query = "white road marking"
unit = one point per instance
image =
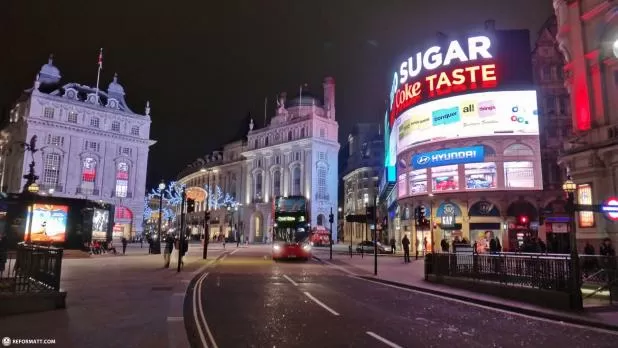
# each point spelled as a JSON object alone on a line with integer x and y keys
{"x": 290, "y": 280}
{"x": 232, "y": 253}
{"x": 321, "y": 304}
{"x": 170, "y": 319}
{"x": 195, "y": 316}
{"x": 383, "y": 340}
{"x": 552, "y": 321}
{"x": 199, "y": 300}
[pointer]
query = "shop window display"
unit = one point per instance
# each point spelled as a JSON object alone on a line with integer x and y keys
{"x": 444, "y": 178}
{"x": 480, "y": 175}
{"x": 401, "y": 185}
{"x": 518, "y": 174}
{"x": 418, "y": 181}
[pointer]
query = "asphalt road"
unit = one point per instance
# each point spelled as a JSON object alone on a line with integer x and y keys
{"x": 247, "y": 300}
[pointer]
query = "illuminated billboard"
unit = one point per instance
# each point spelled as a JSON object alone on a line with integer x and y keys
{"x": 467, "y": 116}
{"x": 100, "y": 224}
{"x": 296, "y": 204}
{"x": 48, "y": 223}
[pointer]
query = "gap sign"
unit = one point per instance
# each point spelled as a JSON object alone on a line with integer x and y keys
{"x": 471, "y": 154}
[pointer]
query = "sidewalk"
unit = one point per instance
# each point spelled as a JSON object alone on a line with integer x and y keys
{"x": 394, "y": 272}
{"x": 112, "y": 301}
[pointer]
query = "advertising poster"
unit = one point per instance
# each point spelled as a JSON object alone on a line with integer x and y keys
{"x": 290, "y": 204}
{"x": 100, "y": 223}
{"x": 48, "y": 223}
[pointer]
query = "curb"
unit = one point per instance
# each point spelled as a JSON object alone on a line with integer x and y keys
{"x": 497, "y": 305}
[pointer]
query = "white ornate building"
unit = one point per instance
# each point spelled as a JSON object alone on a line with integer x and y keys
{"x": 94, "y": 148}
{"x": 296, "y": 154}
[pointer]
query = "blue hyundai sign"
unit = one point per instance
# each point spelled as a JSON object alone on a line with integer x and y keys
{"x": 471, "y": 154}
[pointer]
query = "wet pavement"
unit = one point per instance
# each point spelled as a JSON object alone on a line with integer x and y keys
{"x": 247, "y": 300}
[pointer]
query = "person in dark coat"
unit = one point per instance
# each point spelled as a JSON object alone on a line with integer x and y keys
{"x": 169, "y": 247}
{"x": 406, "y": 249}
{"x": 124, "y": 245}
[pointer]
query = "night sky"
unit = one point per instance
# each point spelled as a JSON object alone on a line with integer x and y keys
{"x": 205, "y": 64}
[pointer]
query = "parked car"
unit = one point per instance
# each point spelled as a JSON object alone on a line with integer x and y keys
{"x": 367, "y": 247}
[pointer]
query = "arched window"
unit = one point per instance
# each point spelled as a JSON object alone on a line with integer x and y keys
{"x": 51, "y": 169}
{"x": 258, "y": 185}
{"x": 89, "y": 175}
{"x": 276, "y": 183}
{"x": 122, "y": 179}
{"x": 290, "y": 136}
{"x": 489, "y": 151}
{"x": 518, "y": 150}
{"x": 296, "y": 181}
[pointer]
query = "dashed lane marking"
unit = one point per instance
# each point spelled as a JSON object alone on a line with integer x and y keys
{"x": 383, "y": 340}
{"x": 290, "y": 280}
{"x": 321, "y": 304}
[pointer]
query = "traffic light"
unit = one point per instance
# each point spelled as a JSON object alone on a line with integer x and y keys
{"x": 523, "y": 220}
{"x": 207, "y": 216}
{"x": 190, "y": 205}
{"x": 331, "y": 218}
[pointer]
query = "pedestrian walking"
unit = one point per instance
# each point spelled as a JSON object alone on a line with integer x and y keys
{"x": 169, "y": 247}
{"x": 124, "y": 245}
{"x": 393, "y": 245}
{"x": 406, "y": 249}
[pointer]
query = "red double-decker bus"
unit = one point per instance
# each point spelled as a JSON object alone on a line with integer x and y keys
{"x": 291, "y": 229}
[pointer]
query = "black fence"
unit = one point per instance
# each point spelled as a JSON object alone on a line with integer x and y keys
{"x": 548, "y": 272}
{"x": 30, "y": 268}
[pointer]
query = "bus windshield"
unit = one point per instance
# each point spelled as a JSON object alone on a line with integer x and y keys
{"x": 290, "y": 235}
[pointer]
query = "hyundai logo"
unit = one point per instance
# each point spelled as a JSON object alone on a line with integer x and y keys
{"x": 423, "y": 160}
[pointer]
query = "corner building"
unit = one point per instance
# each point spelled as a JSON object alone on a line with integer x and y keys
{"x": 296, "y": 154}
{"x": 91, "y": 145}
{"x": 587, "y": 37}
{"x": 466, "y": 147}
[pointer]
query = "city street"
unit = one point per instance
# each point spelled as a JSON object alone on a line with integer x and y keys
{"x": 247, "y": 300}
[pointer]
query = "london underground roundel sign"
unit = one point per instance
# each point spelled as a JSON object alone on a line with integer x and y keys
{"x": 611, "y": 208}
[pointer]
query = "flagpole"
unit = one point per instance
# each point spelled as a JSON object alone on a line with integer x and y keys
{"x": 99, "y": 74}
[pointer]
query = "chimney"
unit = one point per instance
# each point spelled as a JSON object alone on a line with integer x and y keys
{"x": 490, "y": 25}
{"x": 329, "y": 97}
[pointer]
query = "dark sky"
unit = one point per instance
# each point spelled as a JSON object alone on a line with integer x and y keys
{"x": 205, "y": 64}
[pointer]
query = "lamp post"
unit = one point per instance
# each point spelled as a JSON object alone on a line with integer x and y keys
{"x": 331, "y": 219}
{"x": 156, "y": 245}
{"x": 181, "y": 234}
{"x": 569, "y": 187}
{"x": 206, "y": 213}
{"x": 365, "y": 202}
{"x": 375, "y": 234}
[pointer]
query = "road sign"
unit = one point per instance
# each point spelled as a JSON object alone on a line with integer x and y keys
{"x": 610, "y": 208}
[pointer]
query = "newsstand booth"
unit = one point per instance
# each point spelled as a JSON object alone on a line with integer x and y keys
{"x": 67, "y": 223}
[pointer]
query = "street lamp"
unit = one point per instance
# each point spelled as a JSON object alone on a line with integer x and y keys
{"x": 156, "y": 245}
{"x": 206, "y": 213}
{"x": 331, "y": 220}
{"x": 365, "y": 202}
{"x": 569, "y": 187}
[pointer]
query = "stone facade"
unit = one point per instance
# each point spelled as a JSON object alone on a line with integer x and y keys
{"x": 295, "y": 154}
{"x": 587, "y": 37}
{"x": 91, "y": 145}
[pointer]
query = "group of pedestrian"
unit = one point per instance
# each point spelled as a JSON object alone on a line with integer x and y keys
{"x": 172, "y": 243}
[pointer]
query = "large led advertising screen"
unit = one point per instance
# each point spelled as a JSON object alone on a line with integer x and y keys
{"x": 100, "y": 224}
{"x": 49, "y": 223}
{"x": 467, "y": 116}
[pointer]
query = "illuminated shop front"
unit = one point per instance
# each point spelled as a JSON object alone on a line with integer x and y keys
{"x": 464, "y": 139}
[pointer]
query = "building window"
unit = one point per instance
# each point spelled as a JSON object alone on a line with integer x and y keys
{"x": 565, "y": 104}
{"x": 266, "y": 141}
{"x": 546, "y": 73}
{"x": 322, "y": 156}
{"x": 259, "y": 163}
{"x": 126, "y": 151}
{"x": 322, "y": 133}
{"x": 94, "y": 122}
{"x": 122, "y": 179}
{"x": 115, "y": 126}
{"x": 72, "y": 117}
{"x": 550, "y": 103}
{"x": 480, "y": 175}
{"x": 302, "y": 132}
{"x": 518, "y": 150}
{"x": 55, "y": 140}
{"x": 584, "y": 197}
{"x": 417, "y": 181}
{"x": 48, "y": 112}
{"x": 277, "y": 159}
{"x": 290, "y": 136}
{"x": 51, "y": 169}
{"x": 258, "y": 185}
{"x": 401, "y": 185}
{"x": 518, "y": 174}
{"x": 322, "y": 193}
{"x": 297, "y": 156}
{"x": 92, "y": 146}
{"x": 296, "y": 181}
{"x": 255, "y": 144}
{"x": 445, "y": 178}
{"x": 277, "y": 183}
{"x": 89, "y": 174}
{"x": 135, "y": 130}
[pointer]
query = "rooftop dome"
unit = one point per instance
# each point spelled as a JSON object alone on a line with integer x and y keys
{"x": 49, "y": 74}
{"x": 306, "y": 99}
{"x": 115, "y": 88}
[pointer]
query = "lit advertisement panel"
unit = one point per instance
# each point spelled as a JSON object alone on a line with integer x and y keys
{"x": 474, "y": 115}
{"x": 100, "y": 224}
{"x": 49, "y": 223}
{"x": 285, "y": 205}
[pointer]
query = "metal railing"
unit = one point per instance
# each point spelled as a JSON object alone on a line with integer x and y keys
{"x": 533, "y": 271}
{"x": 599, "y": 276}
{"x": 30, "y": 268}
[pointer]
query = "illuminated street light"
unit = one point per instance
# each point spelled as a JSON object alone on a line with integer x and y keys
{"x": 615, "y": 48}
{"x": 569, "y": 188}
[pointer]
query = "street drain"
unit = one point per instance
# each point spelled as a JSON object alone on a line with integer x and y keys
{"x": 161, "y": 288}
